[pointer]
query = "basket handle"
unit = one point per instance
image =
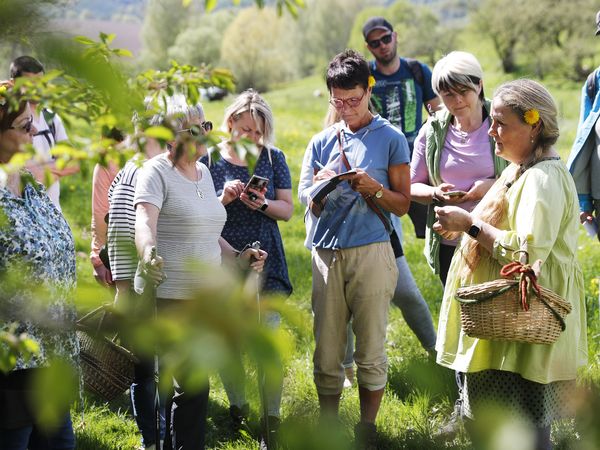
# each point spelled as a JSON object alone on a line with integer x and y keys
{"x": 102, "y": 309}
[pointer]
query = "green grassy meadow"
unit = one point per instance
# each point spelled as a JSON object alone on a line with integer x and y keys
{"x": 419, "y": 396}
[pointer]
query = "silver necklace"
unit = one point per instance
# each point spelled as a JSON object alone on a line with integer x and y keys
{"x": 199, "y": 191}
{"x": 463, "y": 135}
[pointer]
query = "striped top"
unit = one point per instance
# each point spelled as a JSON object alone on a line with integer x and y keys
{"x": 121, "y": 222}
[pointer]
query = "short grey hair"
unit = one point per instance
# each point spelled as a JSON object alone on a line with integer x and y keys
{"x": 457, "y": 70}
{"x": 176, "y": 109}
{"x": 251, "y": 101}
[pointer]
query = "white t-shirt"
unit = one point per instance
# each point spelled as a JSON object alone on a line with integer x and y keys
{"x": 189, "y": 224}
{"x": 43, "y": 142}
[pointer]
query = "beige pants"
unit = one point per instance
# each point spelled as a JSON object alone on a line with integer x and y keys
{"x": 354, "y": 282}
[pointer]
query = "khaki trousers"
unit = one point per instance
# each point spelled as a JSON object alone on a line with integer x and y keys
{"x": 354, "y": 282}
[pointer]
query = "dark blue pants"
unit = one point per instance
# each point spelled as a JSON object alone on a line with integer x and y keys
{"x": 31, "y": 437}
{"x": 142, "y": 398}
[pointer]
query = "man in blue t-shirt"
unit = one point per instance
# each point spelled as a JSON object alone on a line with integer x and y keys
{"x": 402, "y": 87}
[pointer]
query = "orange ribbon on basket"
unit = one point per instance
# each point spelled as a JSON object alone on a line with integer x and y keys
{"x": 527, "y": 278}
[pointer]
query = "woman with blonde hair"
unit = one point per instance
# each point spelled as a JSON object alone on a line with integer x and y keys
{"x": 252, "y": 215}
{"x": 534, "y": 199}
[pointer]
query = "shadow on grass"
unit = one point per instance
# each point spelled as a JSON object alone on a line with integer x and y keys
{"x": 422, "y": 375}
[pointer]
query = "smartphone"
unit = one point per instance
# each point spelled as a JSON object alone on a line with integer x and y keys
{"x": 455, "y": 193}
{"x": 257, "y": 183}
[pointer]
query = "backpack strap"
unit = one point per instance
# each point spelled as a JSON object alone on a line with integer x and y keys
{"x": 416, "y": 70}
{"x": 49, "y": 118}
{"x": 590, "y": 85}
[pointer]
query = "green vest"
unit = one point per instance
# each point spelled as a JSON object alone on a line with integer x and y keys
{"x": 435, "y": 136}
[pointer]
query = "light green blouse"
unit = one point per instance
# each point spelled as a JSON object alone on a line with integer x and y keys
{"x": 542, "y": 206}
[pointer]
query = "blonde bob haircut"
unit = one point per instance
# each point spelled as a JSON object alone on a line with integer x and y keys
{"x": 457, "y": 71}
{"x": 251, "y": 101}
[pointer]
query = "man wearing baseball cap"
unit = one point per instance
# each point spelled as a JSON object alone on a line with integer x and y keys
{"x": 403, "y": 86}
{"x": 584, "y": 161}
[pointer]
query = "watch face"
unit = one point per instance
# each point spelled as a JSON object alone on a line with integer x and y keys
{"x": 474, "y": 231}
{"x": 379, "y": 193}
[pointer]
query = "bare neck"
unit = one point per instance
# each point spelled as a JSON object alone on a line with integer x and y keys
{"x": 471, "y": 122}
{"x": 187, "y": 167}
{"x": 389, "y": 68}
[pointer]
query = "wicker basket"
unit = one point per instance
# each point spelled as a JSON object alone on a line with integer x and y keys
{"x": 512, "y": 309}
{"x": 493, "y": 310}
{"x": 108, "y": 368}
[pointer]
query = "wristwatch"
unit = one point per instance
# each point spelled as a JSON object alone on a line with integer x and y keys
{"x": 264, "y": 206}
{"x": 474, "y": 230}
{"x": 379, "y": 193}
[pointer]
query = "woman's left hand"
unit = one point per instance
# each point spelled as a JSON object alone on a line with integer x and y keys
{"x": 363, "y": 183}
{"x": 255, "y": 257}
{"x": 253, "y": 198}
{"x": 451, "y": 221}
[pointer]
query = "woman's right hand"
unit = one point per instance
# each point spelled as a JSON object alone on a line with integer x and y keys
{"x": 324, "y": 174}
{"x": 440, "y": 192}
{"x": 255, "y": 257}
{"x": 231, "y": 191}
{"x": 152, "y": 267}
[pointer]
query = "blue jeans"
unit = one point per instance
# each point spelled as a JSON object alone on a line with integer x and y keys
{"x": 142, "y": 398}
{"x": 31, "y": 437}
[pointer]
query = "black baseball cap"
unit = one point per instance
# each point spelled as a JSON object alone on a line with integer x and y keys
{"x": 597, "y": 23}
{"x": 376, "y": 23}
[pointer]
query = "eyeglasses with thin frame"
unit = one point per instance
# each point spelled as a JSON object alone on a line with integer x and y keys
{"x": 196, "y": 130}
{"x": 27, "y": 126}
{"x": 352, "y": 102}
{"x": 385, "y": 39}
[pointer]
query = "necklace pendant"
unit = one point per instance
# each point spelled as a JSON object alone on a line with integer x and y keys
{"x": 199, "y": 193}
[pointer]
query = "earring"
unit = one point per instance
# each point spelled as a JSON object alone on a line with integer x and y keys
{"x": 532, "y": 140}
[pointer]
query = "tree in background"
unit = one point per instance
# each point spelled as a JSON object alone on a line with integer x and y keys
{"x": 504, "y": 22}
{"x": 201, "y": 41}
{"x": 561, "y": 39}
{"x": 546, "y": 36}
{"x": 324, "y": 29}
{"x": 259, "y": 49}
{"x": 163, "y": 22}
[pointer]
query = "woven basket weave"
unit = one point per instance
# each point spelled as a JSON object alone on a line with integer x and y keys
{"x": 108, "y": 368}
{"x": 493, "y": 311}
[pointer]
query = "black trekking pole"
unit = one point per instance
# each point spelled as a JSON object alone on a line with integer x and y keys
{"x": 260, "y": 373}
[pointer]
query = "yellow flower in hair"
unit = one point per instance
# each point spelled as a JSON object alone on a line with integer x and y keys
{"x": 371, "y": 82}
{"x": 531, "y": 116}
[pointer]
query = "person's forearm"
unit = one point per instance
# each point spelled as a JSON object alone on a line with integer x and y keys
{"x": 422, "y": 193}
{"x": 279, "y": 209}
{"x": 487, "y": 234}
{"x": 395, "y": 202}
{"x": 227, "y": 250}
{"x": 145, "y": 234}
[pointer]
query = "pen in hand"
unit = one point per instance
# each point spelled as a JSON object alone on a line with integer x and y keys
{"x": 321, "y": 166}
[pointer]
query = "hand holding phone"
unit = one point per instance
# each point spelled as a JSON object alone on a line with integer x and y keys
{"x": 257, "y": 183}
{"x": 455, "y": 193}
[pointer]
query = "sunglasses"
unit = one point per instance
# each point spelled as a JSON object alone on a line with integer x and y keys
{"x": 196, "y": 130}
{"x": 352, "y": 102}
{"x": 25, "y": 127}
{"x": 385, "y": 39}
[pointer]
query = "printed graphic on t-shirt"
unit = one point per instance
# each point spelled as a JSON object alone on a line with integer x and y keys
{"x": 398, "y": 103}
